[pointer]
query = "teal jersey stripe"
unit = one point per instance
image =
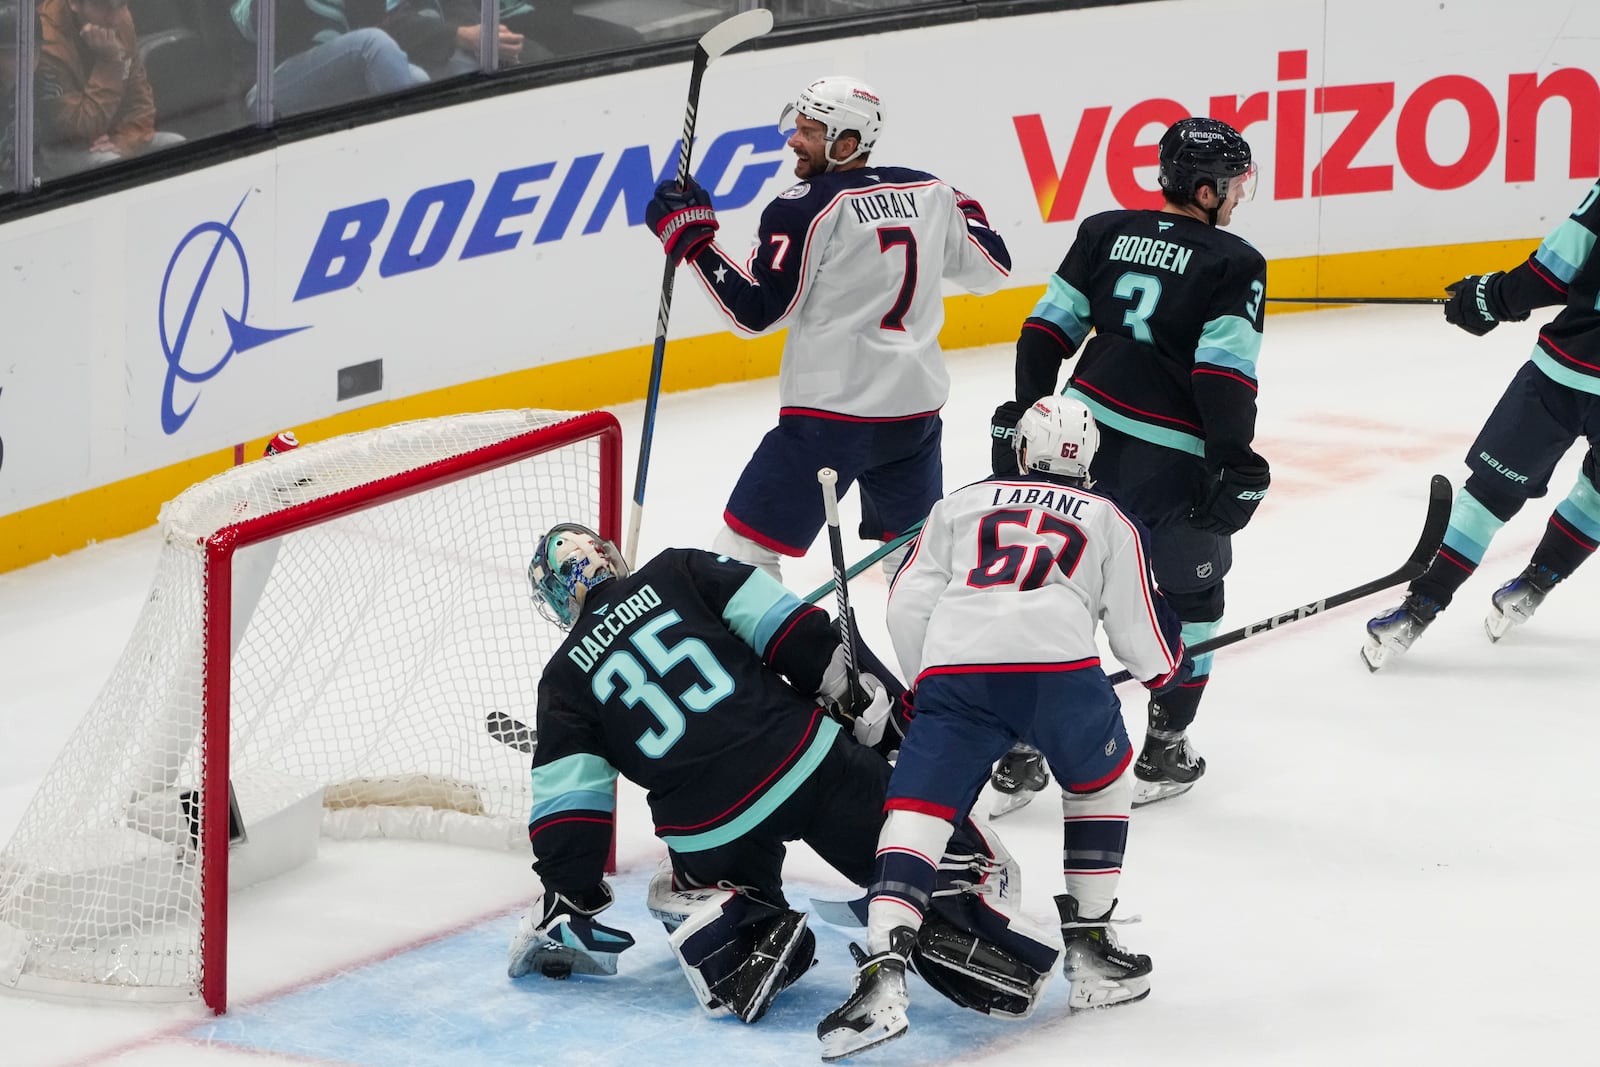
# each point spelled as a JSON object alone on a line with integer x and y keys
{"x": 1066, "y": 307}
{"x": 1230, "y": 342}
{"x": 581, "y": 782}
{"x": 756, "y": 813}
{"x": 1195, "y": 632}
{"x": 1566, "y": 250}
{"x": 1156, "y": 435}
{"x": 759, "y": 607}
{"x": 1582, "y": 509}
{"x": 1472, "y": 527}
{"x": 1560, "y": 372}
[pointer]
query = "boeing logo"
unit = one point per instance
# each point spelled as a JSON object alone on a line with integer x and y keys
{"x": 217, "y": 283}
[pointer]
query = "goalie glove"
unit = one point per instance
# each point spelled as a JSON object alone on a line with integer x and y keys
{"x": 865, "y": 711}
{"x": 558, "y": 937}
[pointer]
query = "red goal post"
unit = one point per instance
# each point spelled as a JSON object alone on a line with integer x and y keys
{"x": 327, "y": 631}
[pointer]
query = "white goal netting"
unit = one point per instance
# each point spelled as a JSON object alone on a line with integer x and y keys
{"x": 355, "y": 615}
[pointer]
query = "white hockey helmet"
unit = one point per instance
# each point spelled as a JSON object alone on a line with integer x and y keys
{"x": 842, "y": 104}
{"x": 1057, "y": 435}
{"x": 569, "y": 560}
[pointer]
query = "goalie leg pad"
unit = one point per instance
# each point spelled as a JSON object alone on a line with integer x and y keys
{"x": 737, "y": 953}
{"x": 974, "y": 973}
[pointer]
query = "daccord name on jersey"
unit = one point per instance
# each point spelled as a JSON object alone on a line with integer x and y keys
{"x": 587, "y": 652}
{"x": 1033, "y": 496}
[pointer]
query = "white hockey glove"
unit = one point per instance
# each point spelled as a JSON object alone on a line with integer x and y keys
{"x": 835, "y": 684}
{"x": 558, "y": 937}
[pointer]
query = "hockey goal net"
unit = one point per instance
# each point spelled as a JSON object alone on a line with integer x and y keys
{"x": 338, "y": 639}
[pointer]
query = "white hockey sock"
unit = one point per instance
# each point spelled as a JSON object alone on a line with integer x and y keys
{"x": 1094, "y": 831}
{"x": 730, "y": 542}
{"x": 909, "y": 848}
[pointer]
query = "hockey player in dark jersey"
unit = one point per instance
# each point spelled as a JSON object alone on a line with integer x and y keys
{"x": 692, "y": 677}
{"x": 1553, "y": 400}
{"x": 862, "y": 379}
{"x": 1175, "y": 305}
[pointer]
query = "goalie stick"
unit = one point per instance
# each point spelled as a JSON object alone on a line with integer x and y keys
{"x": 1433, "y": 529}
{"x": 828, "y": 478}
{"x": 717, "y": 41}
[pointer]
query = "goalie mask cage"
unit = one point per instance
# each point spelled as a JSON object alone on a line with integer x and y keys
{"x": 335, "y": 623}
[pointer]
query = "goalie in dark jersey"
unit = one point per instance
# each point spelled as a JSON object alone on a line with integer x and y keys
{"x": 694, "y": 678}
{"x": 1175, "y": 305}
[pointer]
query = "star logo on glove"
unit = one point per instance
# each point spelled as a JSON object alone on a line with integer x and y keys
{"x": 720, "y": 273}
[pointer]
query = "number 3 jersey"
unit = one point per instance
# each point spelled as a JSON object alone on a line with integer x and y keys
{"x": 1175, "y": 305}
{"x": 1017, "y": 573}
{"x": 853, "y": 263}
{"x": 674, "y": 678}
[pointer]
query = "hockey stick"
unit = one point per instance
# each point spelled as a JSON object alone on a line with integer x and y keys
{"x": 510, "y": 732}
{"x": 1357, "y": 300}
{"x": 829, "y": 480}
{"x": 866, "y": 561}
{"x": 1433, "y": 529}
{"x": 719, "y": 39}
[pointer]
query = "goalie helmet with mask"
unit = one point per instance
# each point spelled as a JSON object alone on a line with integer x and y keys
{"x": 843, "y": 105}
{"x": 1201, "y": 151}
{"x": 1057, "y": 436}
{"x": 570, "y": 560}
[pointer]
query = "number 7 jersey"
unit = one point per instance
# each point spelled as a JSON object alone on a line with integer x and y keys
{"x": 853, "y": 262}
{"x": 1017, "y": 573}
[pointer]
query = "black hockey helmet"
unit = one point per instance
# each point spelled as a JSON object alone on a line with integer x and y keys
{"x": 1201, "y": 151}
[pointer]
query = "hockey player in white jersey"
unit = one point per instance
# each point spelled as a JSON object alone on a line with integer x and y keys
{"x": 994, "y": 614}
{"x": 851, "y": 259}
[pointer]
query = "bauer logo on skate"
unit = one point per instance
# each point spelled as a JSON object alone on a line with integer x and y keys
{"x": 207, "y": 278}
{"x": 1498, "y": 115}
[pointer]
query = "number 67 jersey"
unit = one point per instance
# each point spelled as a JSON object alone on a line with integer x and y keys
{"x": 1016, "y": 573}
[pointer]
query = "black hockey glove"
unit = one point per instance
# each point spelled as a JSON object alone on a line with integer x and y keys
{"x": 1003, "y": 437}
{"x": 558, "y": 936}
{"x": 683, "y": 218}
{"x": 1475, "y": 304}
{"x": 1231, "y": 497}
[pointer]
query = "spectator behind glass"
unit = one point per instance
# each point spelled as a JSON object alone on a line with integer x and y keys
{"x": 8, "y": 93}
{"x": 332, "y": 52}
{"x": 552, "y": 29}
{"x": 93, "y": 103}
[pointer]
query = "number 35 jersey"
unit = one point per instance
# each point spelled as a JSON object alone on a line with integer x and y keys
{"x": 674, "y": 678}
{"x": 1176, "y": 309}
{"x": 1017, "y": 573}
{"x": 853, "y": 262}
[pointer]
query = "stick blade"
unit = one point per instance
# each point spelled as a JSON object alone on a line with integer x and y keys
{"x": 732, "y": 32}
{"x": 1434, "y": 525}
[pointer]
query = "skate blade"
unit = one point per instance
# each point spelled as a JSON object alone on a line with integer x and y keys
{"x": 1151, "y": 792}
{"x": 1378, "y": 654}
{"x": 1006, "y": 803}
{"x": 861, "y": 1041}
{"x": 1499, "y": 623}
{"x": 1075, "y": 1009}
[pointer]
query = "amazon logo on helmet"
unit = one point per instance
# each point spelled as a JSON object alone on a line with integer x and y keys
{"x": 1201, "y": 151}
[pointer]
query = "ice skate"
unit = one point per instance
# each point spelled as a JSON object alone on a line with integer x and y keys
{"x": 1102, "y": 972}
{"x": 1515, "y": 602}
{"x": 783, "y": 952}
{"x": 1391, "y": 634}
{"x": 876, "y": 1010}
{"x": 1017, "y": 777}
{"x": 1168, "y": 766}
